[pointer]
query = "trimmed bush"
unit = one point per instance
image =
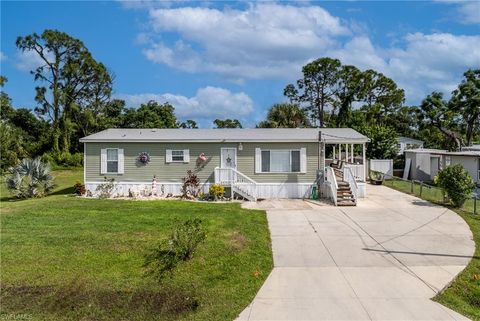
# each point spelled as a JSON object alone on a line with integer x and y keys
{"x": 216, "y": 191}
{"x": 31, "y": 178}
{"x": 457, "y": 183}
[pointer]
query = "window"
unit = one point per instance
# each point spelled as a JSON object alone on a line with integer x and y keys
{"x": 112, "y": 160}
{"x": 280, "y": 161}
{"x": 177, "y": 156}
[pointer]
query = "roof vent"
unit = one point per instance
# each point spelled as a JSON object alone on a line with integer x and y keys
{"x": 154, "y": 130}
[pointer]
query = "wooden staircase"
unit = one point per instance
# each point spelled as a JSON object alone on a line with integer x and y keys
{"x": 345, "y": 195}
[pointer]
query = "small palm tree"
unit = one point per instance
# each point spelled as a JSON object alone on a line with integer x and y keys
{"x": 30, "y": 178}
{"x": 285, "y": 116}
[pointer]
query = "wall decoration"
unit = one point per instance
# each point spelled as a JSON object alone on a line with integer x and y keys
{"x": 144, "y": 158}
{"x": 202, "y": 157}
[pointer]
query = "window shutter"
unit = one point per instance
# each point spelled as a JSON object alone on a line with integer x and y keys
{"x": 258, "y": 160}
{"x": 120, "y": 161}
{"x": 186, "y": 155}
{"x": 168, "y": 156}
{"x": 103, "y": 161}
{"x": 303, "y": 160}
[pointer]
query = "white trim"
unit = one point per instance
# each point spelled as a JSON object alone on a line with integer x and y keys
{"x": 258, "y": 160}
{"x": 106, "y": 161}
{"x": 85, "y": 162}
{"x": 327, "y": 141}
{"x": 236, "y": 156}
{"x": 303, "y": 160}
{"x": 185, "y": 155}
{"x": 290, "y": 155}
{"x": 103, "y": 161}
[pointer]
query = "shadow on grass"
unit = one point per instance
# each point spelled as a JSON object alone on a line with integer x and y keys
{"x": 167, "y": 301}
{"x": 64, "y": 191}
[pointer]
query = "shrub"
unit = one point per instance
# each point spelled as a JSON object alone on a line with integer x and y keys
{"x": 457, "y": 183}
{"x": 180, "y": 246}
{"x": 191, "y": 184}
{"x": 63, "y": 159}
{"x": 216, "y": 191}
{"x": 30, "y": 178}
{"x": 105, "y": 189}
{"x": 79, "y": 188}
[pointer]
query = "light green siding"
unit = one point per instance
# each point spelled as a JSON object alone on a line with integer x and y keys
{"x": 173, "y": 172}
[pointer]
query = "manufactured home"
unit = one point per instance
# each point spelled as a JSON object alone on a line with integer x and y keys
{"x": 424, "y": 164}
{"x": 251, "y": 163}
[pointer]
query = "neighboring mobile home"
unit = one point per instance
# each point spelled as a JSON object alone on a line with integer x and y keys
{"x": 404, "y": 143}
{"x": 254, "y": 163}
{"x": 426, "y": 163}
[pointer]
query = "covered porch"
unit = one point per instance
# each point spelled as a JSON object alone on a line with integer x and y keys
{"x": 348, "y": 155}
{"x": 343, "y": 164}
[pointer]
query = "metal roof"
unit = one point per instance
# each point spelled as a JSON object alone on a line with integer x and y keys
{"x": 408, "y": 139}
{"x": 444, "y": 152}
{"x": 329, "y": 135}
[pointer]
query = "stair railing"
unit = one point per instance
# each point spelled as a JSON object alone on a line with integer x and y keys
{"x": 333, "y": 186}
{"x": 350, "y": 178}
{"x": 237, "y": 180}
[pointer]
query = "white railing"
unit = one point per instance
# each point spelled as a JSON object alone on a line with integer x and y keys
{"x": 358, "y": 171}
{"x": 351, "y": 179}
{"x": 332, "y": 183}
{"x": 239, "y": 182}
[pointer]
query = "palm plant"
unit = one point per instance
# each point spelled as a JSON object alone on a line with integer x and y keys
{"x": 285, "y": 116}
{"x": 30, "y": 178}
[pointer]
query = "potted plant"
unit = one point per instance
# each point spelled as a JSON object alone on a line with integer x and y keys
{"x": 376, "y": 177}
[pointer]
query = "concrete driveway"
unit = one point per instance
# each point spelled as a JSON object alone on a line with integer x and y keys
{"x": 381, "y": 260}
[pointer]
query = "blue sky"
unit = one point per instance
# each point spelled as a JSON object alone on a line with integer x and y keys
{"x": 233, "y": 59}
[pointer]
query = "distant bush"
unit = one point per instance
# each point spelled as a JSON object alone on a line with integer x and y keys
{"x": 79, "y": 189}
{"x": 216, "y": 191}
{"x": 180, "y": 246}
{"x": 63, "y": 159}
{"x": 30, "y": 178}
{"x": 456, "y": 183}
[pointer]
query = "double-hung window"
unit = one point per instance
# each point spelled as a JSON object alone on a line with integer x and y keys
{"x": 280, "y": 161}
{"x": 178, "y": 156}
{"x": 112, "y": 160}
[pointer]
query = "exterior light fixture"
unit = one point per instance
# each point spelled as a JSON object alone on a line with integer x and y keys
{"x": 240, "y": 146}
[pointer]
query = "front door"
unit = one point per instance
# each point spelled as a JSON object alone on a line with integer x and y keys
{"x": 229, "y": 158}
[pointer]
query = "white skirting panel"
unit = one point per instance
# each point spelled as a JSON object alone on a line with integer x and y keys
{"x": 284, "y": 190}
{"x": 264, "y": 190}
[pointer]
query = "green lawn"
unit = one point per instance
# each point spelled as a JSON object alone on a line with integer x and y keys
{"x": 69, "y": 258}
{"x": 463, "y": 295}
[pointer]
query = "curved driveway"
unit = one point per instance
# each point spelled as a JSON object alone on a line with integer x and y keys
{"x": 381, "y": 260}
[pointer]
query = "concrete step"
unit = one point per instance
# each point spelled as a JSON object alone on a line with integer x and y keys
{"x": 346, "y": 203}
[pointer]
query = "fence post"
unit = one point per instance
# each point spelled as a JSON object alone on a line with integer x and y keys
{"x": 411, "y": 187}
{"x": 421, "y": 188}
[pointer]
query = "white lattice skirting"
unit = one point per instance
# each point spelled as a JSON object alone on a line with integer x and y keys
{"x": 264, "y": 190}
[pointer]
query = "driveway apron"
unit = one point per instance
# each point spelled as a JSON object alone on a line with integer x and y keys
{"x": 382, "y": 260}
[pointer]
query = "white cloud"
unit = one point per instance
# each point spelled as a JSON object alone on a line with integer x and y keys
{"x": 3, "y": 57}
{"x": 207, "y": 104}
{"x": 29, "y": 60}
{"x": 468, "y": 10}
{"x": 273, "y": 41}
{"x": 266, "y": 40}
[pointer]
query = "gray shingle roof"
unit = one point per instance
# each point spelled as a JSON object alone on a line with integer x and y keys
{"x": 329, "y": 135}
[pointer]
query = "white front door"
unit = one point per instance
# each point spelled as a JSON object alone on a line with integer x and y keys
{"x": 228, "y": 158}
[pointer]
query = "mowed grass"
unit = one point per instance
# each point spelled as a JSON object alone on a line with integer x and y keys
{"x": 70, "y": 258}
{"x": 463, "y": 295}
